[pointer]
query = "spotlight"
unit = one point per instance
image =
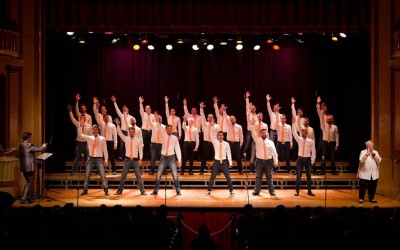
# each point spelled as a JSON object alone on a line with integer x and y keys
{"x": 195, "y": 47}
{"x": 180, "y": 41}
{"x": 150, "y": 47}
{"x": 223, "y": 43}
{"x": 115, "y": 40}
{"x": 136, "y": 47}
{"x": 82, "y": 41}
{"x": 144, "y": 41}
{"x": 256, "y": 47}
{"x": 70, "y": 33}
{"x": 239, "y": 46}
{"x": 269, "y": 41}
{"x": 169, "y": 47}
{"x": 210, "y": 47}
{"x": 276, "y": 47}
{"x": 343, "y": 35}
{"x": 334, "y": 38}
{"x": 108, "y": 33}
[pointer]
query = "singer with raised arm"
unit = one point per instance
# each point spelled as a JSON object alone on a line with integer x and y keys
{"x": 368, "y": 172}
{"x": 27, "y": 164}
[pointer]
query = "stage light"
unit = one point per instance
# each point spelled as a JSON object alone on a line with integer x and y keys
{"x": 136, "y": 47}
{"x": 256, "y": 47}
{"x": 115, "y": 40}
{"x": 223, "y": 43}
{"x": 108, "y": 33}
{"x": 82, "y": 41}
{"x": 169, "y": 47}
{"x": 70, "y": 33}
{"x": 150, "y": 47}
{"x": 210, "y": 47}
{"x": 276, "y": 47}
{"x": 239, "y": 46}
{"x": 180, "y": 41}
{"x": 195, "y": 47}
{"x": 269, "y": 40}
{"x": 334, "y": 38}
{"x": 343, "y": 35}
{"x": 144, "y": 41}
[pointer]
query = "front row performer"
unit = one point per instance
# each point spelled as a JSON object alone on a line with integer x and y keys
{"x": 133, "y": 157}
{"x": 305, "y": 158}
{"x": 222, "y": 162}
{"x": 170, "y": 152}
{"x": 368, "y": 172}
{"x": 98, "y": 157}
{"x": 266, "y": 160}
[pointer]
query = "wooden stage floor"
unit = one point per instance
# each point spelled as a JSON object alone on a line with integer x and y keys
{"x": 220, "y": 198}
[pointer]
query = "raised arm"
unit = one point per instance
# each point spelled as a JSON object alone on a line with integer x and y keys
{"x": 119, "y": 113}
{"x": 166, "y": 107}
{"x": 96, "y": 110}
{"x": 77, "y": 98}
{"x": 71, "y": 116}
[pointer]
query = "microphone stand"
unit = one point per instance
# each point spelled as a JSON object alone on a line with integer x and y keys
{"x": 326, "y": 183}
{"x": 78, "y": 185}
{"x": 165, "y": 185}
{"x": 247, "y": 179}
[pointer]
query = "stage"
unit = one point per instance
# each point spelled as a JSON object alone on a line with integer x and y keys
{"x": 220, "y": 198}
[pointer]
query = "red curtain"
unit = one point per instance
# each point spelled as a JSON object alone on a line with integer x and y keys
{"x": 209, "y": 16}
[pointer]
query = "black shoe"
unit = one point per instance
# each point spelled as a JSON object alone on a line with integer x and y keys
{"x": 272, "y": 194}
{"x": 25, "y": 201}
{"x": 296, "y": 194}
{"x": 232, "y": 193}
{"x": 73, "y": 173}
{"x": 151, "y": 173}
{"x": 143, "y": 192}
{"x": 165, "y": 173}
{"x": 182, "y": 172}
{"x": 106, "y": 192}
{"x": 255, "y": 193}
{"x": 360, "y": 201}
{"x": 84, "y": 192}
{"x": 373, "y": 201}
{"x": 178, "y": 193}
{"x": 190, "y": 173}
{"x": 201, "y": 172}
{"x": 310, "y": 194}
{"x": 154, "y": 193}
{"x": 114, "y": 172}
{"x": 240, "y": 172}
{"x": 118, "y": 192}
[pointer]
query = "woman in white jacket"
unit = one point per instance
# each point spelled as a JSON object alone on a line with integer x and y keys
{"x": 368, "y": 171}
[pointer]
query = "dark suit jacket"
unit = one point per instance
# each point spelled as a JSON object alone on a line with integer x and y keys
{"x": 27, "y": 156}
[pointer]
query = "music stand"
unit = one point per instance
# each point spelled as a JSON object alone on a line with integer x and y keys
{"x": 42, "y": 170}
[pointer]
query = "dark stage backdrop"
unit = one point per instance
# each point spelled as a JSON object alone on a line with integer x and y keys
{"x": 339, "y": 73}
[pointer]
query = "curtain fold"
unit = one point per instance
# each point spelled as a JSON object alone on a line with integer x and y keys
{"x": 209, "y": 16}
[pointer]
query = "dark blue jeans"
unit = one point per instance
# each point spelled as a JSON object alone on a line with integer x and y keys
{"x": 155, "y": 153}
{"x": 267, "y": 167}
{"x": 164, "y": 162}
{"x": 125, "y": 170}
{"x": 97, "y": 162}
{"x": 306, "y": 163}
{"x": 224, "y": 168}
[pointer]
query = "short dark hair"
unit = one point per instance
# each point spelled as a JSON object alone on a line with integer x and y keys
{"x": 26, "y": 135}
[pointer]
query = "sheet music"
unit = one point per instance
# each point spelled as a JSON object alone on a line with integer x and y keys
{"x": 44, "y": 156}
